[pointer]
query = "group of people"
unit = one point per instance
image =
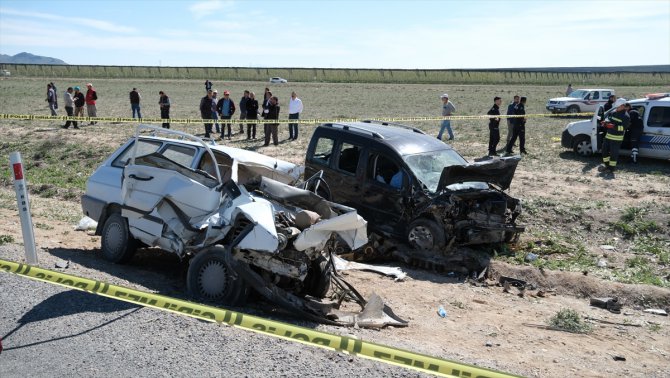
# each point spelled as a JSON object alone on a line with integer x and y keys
{"x": 163, "y": 103}
{"x": 75, "y": 101}
{"x": 214, "y": 108}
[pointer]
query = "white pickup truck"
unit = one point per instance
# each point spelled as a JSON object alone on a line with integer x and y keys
{"x": 580, "y": 100}
{"x": 654, "y": 109}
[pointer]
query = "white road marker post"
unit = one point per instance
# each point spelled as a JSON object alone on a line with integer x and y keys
{"x": 24, "y": 207}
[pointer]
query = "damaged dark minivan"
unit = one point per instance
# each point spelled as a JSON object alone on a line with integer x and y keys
{"x": 412, "y": 186}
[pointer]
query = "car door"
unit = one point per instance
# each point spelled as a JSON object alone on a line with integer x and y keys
{"x": 655, "y": 139}
{"x": 382, "y": 199}
{"x": 162, "y": 187}
{"x": 344, "y": 176}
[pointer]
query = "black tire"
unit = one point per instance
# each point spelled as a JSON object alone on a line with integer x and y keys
{"x": 117, "y": 245}
{"x": 317, "y": 281}
{"x": 572, "y": 109}
{"x": 210, "y": 278}
{"x": 425, "y": 234}
{"x": 582, "y": 145}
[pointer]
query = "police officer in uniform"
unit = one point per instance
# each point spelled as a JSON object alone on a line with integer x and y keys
{"x": 494, "y": 126}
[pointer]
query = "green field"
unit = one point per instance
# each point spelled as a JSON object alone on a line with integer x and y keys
{"x": 570, "y": 211}
{"x": 335, "y": 75}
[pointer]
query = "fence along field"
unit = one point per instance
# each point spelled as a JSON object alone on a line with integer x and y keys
{"x": 335, "y": 75}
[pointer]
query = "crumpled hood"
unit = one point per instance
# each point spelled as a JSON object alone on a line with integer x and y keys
{"x": 498, "y": 172}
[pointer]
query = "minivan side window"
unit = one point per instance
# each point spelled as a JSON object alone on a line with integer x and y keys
{"x": 349, "y": 155}
{"x": 323, "y": 151}
{"x": 596, "y": 95}
{"x": 383, "y": 170}
{"x": 659, "y": 116}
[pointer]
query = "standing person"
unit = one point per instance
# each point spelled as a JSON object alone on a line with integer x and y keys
{"x": 51, "y": 99}
{"x": 243, "y": 110}
{"x": 79, "y": 102}
{"x": 616, "y": 124}
{"x": 164, "y": 103}
{"x": 206, "y": 112}
{"x": 494, "y": 126}
{"x": 294, "y": 109}
{"x": 215, "y": 112}
{"x": 91, "y": 98}
{"x": 636, "y": 128}
{"x": 69, "y": 106}
{"x": 447, "y": 109}
{"x": 226, "y": 107}
{"x": 208, "y": 85}
{"x": 252, "y": 115}
{"x": 511, "y": 110}
{"x": 519, "y": 130}
{"x": 266, "y": 99}
{"x": 135, "y": 98}
{"x": 568, "y": 90}
{"x": 272, "y": 112}
{"x": 609, "y": 103}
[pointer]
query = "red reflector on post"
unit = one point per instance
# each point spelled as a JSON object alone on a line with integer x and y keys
{"x": 18, "y": 171}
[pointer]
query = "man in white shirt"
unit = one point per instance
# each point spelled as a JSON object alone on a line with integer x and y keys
{"x": 294, "y": 110}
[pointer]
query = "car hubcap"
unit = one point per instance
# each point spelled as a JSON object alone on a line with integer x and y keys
{"x": 421, "y": 237}
{"x": 584, "y": 148}
{"x": 212, "y": 280}
{"x": 113, "y": 239}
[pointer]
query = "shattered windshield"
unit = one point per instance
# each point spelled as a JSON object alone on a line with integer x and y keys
{"x": 578, "y": 94}
{"x": 428, "y": 166}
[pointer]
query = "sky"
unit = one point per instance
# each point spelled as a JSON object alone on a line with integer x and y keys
{"x": 340, "y": 34}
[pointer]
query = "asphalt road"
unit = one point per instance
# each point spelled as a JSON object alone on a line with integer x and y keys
{"x": 48, "y": 331}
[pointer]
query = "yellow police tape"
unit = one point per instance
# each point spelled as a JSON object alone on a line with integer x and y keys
{"x": 346, "y": 344}
{"x": 297, "y": 121}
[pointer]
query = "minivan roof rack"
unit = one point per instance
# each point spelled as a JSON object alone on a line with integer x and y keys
{"x": 354, "y": 128}
{"x": 384, "y": 123}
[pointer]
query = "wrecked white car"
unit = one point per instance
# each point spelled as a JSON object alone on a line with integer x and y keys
{"x": 234, "y": 216}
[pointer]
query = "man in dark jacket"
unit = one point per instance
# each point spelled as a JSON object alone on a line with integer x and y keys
{"x": 494, "y": 126}
{"x": 608, "y": 104}
{"x": 272, "y": 112}
{"x": 243, "y": 110}
{"x": 519, "y": 130}
{"x": 226, "y": 107}
{"x": 135, "y": 97}
{"x": 636, "y": 129}
{"x": 164, "y": 103}
{"x": 206, "y": 111}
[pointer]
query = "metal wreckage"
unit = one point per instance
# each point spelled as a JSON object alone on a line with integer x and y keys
{"x": 241, "y": 231}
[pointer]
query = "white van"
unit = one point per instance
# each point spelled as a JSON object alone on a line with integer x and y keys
{"x": 654, "y": 109}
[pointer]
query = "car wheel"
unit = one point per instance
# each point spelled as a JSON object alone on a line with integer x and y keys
{"x": 572, "y": 109}
{"x": 210, "y": 278}
{"x": 317, "y": 281}
{"x": 582, "y": 145}
{"x": 118, "y": 245}
{"x": 425, "y": 234}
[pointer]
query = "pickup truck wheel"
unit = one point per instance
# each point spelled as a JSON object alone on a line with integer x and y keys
{"x": 425, "y": 234}
{"x": 317, "y": 281}
{"x": 572, "y": 109}
{"x": 582, "y": 145}
{"x": 118, "y": 246}
{"x": 210, "y": 278}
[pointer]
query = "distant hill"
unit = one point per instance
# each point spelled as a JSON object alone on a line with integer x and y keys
{"x": 28, "y": 58}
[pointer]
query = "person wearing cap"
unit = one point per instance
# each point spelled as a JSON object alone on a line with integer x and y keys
{"x": 226, "y": 107}
{"x": 206, "y": 112}
{"x": 494, "y": 126}
{"x": 135, "y": 97}
{"x": 616, "y": 124}
{"x": 215, "y": 112}
{"x": 91, "y": 98}
{"x": 79, "y": 102}
{"x": 294, "y": 109}
{"x": 519, "y": 129}
{"x": 447, "y": 109}
{"x": 164, "y": 103}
